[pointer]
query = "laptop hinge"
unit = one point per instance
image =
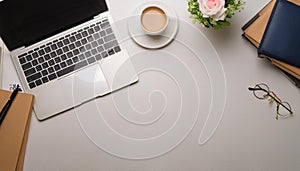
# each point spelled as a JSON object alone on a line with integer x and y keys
{"x": 97, "y": 16}
{"x": 19, "y": 49}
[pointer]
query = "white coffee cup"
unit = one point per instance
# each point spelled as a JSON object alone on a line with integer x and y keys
{"x": 154, "y": 20}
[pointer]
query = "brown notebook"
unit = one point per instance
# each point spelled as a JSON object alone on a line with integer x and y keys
{"x": 254, "y": 31}
{"x": 14, "y": 130}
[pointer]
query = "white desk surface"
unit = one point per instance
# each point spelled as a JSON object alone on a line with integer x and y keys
{"x": 247, "y": 138}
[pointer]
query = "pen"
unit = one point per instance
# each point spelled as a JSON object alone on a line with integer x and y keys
{"x": 8, "y": 104}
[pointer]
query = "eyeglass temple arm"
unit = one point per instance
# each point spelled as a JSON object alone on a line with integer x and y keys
{"x": 253, "y": 89}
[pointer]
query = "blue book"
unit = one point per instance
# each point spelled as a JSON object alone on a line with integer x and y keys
{"x": 281, "y": 39}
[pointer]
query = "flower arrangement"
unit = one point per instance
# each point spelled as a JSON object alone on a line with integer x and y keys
{"x": 214, "y": 13}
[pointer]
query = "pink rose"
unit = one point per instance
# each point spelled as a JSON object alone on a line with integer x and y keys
{"x": 213, "y": 8}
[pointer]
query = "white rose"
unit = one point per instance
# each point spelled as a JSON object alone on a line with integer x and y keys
{"x": 213, "y": 8}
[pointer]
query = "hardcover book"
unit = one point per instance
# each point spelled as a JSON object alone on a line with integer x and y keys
{"x": 281, "y": 38}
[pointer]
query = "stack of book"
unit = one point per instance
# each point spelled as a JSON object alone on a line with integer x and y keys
{"x": 274, "y": 31}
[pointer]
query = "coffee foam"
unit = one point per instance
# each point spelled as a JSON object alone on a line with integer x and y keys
{"x": 153, "y": 19}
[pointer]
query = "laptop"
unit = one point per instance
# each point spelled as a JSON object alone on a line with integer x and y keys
{"x": 66, "y": 52}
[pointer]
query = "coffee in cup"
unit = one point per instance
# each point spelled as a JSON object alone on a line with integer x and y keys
{"x": 154, "y": 20}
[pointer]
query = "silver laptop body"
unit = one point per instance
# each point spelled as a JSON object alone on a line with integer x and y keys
{"x": 105, "y": 67}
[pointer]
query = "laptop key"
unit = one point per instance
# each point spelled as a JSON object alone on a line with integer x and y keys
{"x": 59, "y": 52}
{"x": 41, "y": 59}
{"x": 63, "y": 57}
{"x": 104, "y": 54}
{"x": 96, "y": 36}
{"x": 94, "y": 44}
{"x": 35, "y": 55}
{"x": 56, "y": 67}
{"x": 78, "y": 36}
{"x": 44, "y": 72}
{"x": 91, "y": 31}
{"x": 100, "y": 48}
{"x": 60, "y": 44}
{"x": 84, "y": 41}
{"x": 29, "y": 72}
{"x": 110, "y": 44}
{"x": 98, "y": 57}
{"x": 22, "y": 60}
{"x": 75, "y": 59}
{"x": 51, "y": 62}
{"x": 72, "y": 39}
{"x": 51, "y": 70}
{"x": 28, "y": 57}
{"x": 69, "y": 62}
{"x": 41, "y": 52}
{"x": 66, "y": 41}
{"x": 45, "y": 65}
{"x": 52, "y": 76}
{"x": 110, "y": 52}
{"x": 109, "y": 38}
{"x": 69, "y": 54}
{"x": 78, "y": 43}
{"x": 38, "y": 82}
{"x": 88, "y": 47}
{"x": 104, "y": 25}
{"x": 63, "y": 64}
{"x": 90, "y": 38}
{"x": 87, "y": 54}
{"x": 102, "y": 33}
{"x": 71, "y": 68}
{"x": 38, "y": 68}
{"x": 47, "y": 57}
{"x": 109, "y": 31}
{"x": 97, "y": 28}
{"x": 71, "y": 46}
{"x": 81, "y": 57}
{"x": 65, "y": 49}
{"x": 84, "y": 33}
{"x": 45, "y": 79}
{"x": 32, "y": 85}
{"x": 47, "y": 49}
{"x": 34, "y": 77}
{"x": 91, "y": 60}
{"x": 117, "y": 49}
{"x": 82, "y": 49}
{"x": 53, "y": 47}
{"x": 57, "y": 59}
{"x": 76, "y": 52}
{"x": 53, "y": 54}
{"x": 94, "y": 51}
{"x": 26, "y": 66}
{"x": 100, "y": 41}
{"x": 34, "y": 62}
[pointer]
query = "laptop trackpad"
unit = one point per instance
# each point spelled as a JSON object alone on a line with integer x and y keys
{"x": 89, "y": 83}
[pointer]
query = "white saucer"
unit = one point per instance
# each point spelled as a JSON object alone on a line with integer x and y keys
{"x": 152, "y": 42}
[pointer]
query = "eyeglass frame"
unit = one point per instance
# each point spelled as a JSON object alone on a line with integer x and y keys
{"x": 275, "y": 98}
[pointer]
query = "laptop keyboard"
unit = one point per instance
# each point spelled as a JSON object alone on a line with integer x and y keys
{"x": 69, "y": 53}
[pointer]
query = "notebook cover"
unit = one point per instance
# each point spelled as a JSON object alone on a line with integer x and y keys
{"x": 14, "y": 130}
{"x": 281, "y": 38}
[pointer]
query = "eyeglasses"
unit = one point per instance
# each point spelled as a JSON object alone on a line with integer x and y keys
{"x": 262, "y": 91}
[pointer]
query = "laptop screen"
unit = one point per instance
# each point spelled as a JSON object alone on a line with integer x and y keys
{"x": 24, "y": 22}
